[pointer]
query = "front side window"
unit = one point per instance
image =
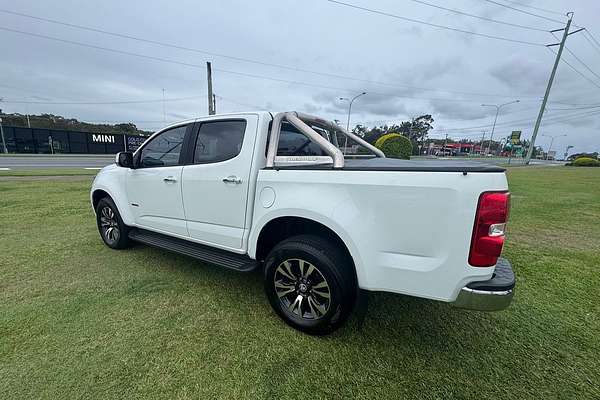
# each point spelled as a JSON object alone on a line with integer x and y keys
{"x": 219, "y": 141}
{"x": 164, "y": 149}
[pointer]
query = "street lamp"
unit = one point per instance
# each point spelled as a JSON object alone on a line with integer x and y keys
{"x": 569, "y": 147}
{"x": 349, "y": 112}
{"x": 498, "y": 107}
{"x": 551, "y": 141}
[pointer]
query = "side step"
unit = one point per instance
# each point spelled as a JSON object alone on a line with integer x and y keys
{"x": 207, "y": 254}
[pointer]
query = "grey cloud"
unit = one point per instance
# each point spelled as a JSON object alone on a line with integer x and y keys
{"x": 521, "y": 73}
{"x": 318, "y": 36}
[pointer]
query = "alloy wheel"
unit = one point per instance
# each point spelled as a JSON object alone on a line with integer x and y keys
{"x": 110, "y": 225}
{"x": 302, "y": 289}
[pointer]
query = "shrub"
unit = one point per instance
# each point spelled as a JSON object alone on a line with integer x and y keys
{"x": 585, "y": 162}
{"x": 394, "y": 145}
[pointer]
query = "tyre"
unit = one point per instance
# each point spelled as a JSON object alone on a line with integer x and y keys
{"x": 310, "y": 284}
{"x": 113, "y": 231}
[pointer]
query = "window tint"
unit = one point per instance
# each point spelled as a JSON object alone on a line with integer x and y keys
{"x": 219, "y": 141}
{"x": 164, "y": 149}
{"x": 293, "y": 143}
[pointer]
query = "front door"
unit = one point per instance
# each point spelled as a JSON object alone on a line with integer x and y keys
{"x": 215, "y": 184}
{"x": 154, "y": 187}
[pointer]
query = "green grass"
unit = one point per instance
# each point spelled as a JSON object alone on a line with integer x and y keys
{"x": 49, "y": 172}
{"x": 78, "y": 320}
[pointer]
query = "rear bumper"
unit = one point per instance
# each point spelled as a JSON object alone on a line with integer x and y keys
{"x": 491, "y": 295}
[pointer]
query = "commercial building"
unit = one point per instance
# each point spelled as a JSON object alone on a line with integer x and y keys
{"x": 51, "y": 141}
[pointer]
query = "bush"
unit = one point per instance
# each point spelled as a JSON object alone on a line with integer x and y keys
{"x": 395, "y": 145}
{"x": 585, "y": 162}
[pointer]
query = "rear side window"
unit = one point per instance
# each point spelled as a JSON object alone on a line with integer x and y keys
{"x": 219, "y": 141}
{"x": 163, "y": 150}
{"x": 293, "y": 143}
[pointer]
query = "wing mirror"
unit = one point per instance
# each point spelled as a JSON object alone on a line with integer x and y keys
{"x": 125, "y": 159}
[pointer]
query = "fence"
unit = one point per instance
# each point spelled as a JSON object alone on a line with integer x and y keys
{"x": 51, "y": 141}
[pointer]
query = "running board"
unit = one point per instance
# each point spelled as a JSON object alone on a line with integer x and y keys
{"x": 223, "y": 258}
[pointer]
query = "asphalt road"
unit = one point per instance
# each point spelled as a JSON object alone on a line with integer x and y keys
{"x": 61, "y": 161}
{"x": 40, "y": 161}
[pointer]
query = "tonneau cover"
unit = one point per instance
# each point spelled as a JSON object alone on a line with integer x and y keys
{"x": 394, "y": 164}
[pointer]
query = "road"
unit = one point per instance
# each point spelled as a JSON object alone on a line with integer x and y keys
{"x": 39, "y": 161}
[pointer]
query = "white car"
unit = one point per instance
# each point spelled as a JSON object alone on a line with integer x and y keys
{"x": 257, "y": 190}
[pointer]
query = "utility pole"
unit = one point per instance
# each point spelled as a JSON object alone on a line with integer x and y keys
{"x": 549, "y": 86}
{"x": 211, "y": 96}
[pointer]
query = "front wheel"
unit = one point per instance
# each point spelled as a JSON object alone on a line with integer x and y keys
{"x": 310, "y": 284}
{"x": 112, "y": 229}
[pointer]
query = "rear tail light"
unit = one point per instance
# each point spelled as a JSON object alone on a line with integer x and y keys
{"x": 490, "y": 225}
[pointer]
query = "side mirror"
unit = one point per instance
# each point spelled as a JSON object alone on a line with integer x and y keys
{"x": 125, "y": 159}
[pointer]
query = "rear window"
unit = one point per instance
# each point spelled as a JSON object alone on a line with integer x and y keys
{"x": 293, "y": 143}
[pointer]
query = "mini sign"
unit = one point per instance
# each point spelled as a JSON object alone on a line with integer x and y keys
{"x": 103, "y": 138}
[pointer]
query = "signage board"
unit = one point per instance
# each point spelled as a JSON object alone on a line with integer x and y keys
{"x": 515, "y": 137}
{"x": 134, "y": 142}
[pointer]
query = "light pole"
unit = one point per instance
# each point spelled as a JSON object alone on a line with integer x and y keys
{"x": 498, "y": 107}
{"x": 567, "y": 151}
{"x": 551, "y": 141}
{"x": 349, "y": 112}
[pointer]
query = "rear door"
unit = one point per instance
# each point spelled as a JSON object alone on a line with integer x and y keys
{"x": 216, "y": 180}
{"x": 154, "y": 187}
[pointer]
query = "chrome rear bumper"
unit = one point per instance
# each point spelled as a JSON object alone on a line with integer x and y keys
{"x": 491, "y": 295}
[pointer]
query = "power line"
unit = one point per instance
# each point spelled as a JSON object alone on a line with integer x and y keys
{"x": 592, "y": 37}
{"x": 535, "y": 8}
{"x": 370, "y": 10}
{"x": 556, "y": 118}
{"x": 582, "y": 63}
{"x": 100, "y": 102}
{"x": 479, "y": 16}
{"x": 587, "y": 38}
{"x": 241, "y": 59}
{"x": 192, "y": 65}
{"x": 576, "y": 70}
{"x": 524, "y": 12}
{"x": 578, "y": 59}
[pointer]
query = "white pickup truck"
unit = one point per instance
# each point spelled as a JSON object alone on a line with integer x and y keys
{"x": 257, "y": 190}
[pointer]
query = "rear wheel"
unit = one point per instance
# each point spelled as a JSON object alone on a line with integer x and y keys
{"x": 310, "y": 284}
{"x": 113, "y": 231}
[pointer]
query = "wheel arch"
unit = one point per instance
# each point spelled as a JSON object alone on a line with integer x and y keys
{"x": 98, "y": 195}
{"x": 279, "y": 227}
{"x": 99, "y": 192}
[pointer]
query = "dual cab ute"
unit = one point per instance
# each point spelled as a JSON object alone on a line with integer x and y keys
{"x": 276, "y": 192}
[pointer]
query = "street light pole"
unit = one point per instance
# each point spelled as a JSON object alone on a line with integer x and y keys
{"x": 349, "y": 112}
{"x": 567, "y": 151}
{"x": 551, "y": 142}
{"x": 498, "y": 107}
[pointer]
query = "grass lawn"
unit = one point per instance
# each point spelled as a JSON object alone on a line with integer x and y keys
{"x": 78, "y": 320}
{"x": 48, "y": 172}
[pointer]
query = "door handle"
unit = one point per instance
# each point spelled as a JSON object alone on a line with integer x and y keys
{"x": 169, "y": 179}
{"x": 232, "y": 179}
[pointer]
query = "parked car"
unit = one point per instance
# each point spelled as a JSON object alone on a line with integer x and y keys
{"x": 274, "y": 192}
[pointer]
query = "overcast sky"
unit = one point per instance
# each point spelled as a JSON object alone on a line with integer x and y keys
{"x": 406, "y": 68}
